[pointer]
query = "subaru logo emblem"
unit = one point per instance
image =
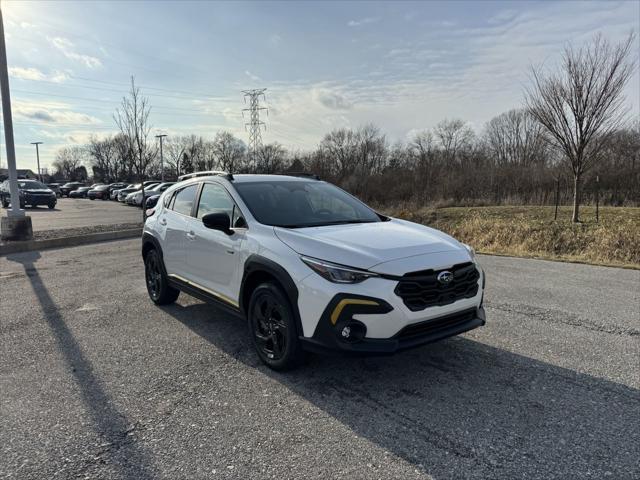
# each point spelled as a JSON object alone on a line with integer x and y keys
{"x": 445, "y": 278}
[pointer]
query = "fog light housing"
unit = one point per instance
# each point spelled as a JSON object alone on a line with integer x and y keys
{"x": 352, "y": 332}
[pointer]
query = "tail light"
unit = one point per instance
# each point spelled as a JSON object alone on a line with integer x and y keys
{"x": 150, "y": 211}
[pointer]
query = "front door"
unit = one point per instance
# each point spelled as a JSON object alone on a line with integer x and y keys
{"x": 213, "y": 257}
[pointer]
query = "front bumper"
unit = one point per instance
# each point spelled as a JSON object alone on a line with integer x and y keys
{"x": 327, "y": 339}
{"x": 380, "y": 319}
{"x": 30, "y": 199}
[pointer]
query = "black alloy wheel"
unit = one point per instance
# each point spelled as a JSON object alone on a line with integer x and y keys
{"x": 273, "y": 328}
{"x": 157, "y": 285}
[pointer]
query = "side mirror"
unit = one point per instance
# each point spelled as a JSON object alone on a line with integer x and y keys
{"x": 218, "y": 221}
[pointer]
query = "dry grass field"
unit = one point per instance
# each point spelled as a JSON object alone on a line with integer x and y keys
{"x": 531, "y": 231}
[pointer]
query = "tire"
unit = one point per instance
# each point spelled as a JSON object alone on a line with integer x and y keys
{"x": 91, "y": 198}
{"x": 5, "y": 203}
{"x": 51, "y": 206}
{"x": 156, "y": 280}
{"x": 273, "y": 328}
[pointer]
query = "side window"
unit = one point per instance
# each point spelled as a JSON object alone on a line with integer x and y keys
{"x": 168, "y": 199}
{"x": 183, "y": 200}
{"x": 214, "y": 198}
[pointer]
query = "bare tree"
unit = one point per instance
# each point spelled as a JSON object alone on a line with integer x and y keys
{"x": 270, "y": 158}
{"x": 340, "y": 146}
{"x": 229, "y": 151}
{"x": 103, "y": 155}
{"x": 132, "y": 118}
{"x": 174, "y": 153}
{"x": 583, "y": 102}
{"x": 515, "y": 138}
{"x": 454, "y": 136}
{"x": 69, "y": 160}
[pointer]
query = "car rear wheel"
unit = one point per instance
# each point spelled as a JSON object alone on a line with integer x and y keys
{"x": 273, "y": 329}
{"x": 5, "y": 202}
{"x": 160, "y": 292}
{"x": 51, "y": 206}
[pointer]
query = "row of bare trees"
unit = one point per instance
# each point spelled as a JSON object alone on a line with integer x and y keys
{"x": 572, "y": 125}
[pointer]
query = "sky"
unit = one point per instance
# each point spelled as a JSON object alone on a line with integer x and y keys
{"x": 403, "y": 66}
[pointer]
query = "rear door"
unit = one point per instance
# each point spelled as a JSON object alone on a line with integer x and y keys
{"x": 174, "y": 223}
{"x": 213, "y": 257}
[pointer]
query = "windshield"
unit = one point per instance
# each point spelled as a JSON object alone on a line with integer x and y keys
{"x": 303, "y": 204}
{"x": 30, "y": 184}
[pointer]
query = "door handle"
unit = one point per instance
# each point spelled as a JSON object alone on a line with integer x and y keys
{"x": 191, "y": 235}
{"x": 231, "y": 252}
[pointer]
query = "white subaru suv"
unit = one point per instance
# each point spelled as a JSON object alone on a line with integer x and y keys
{"x": 309, "y": 266}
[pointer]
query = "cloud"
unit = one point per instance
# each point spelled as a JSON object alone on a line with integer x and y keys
{"x": 67, "y": 48}
{"x": 53, "y": 113}
{"x": 275, "y": 39}
{"x": 253, "y": 77}
{"x": 362, "y": 21}
{"x": 31, "y": 73}
{"x": 332, "y": 99}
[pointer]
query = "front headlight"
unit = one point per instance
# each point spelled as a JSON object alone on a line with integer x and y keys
{"x": 337, "y": 273}
{"x": 471, "y": 251}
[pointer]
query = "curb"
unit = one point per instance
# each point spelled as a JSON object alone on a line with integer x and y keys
{"x": 73, "y": 241}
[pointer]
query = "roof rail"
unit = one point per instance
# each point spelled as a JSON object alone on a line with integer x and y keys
{"x": 206, "y": 173}
{"x": 301, "y": 174}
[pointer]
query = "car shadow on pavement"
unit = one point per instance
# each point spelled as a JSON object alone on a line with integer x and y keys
{"x": 110, "y": 425}
{"x": 458, "y": 408}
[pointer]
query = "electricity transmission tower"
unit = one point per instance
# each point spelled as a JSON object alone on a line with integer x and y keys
{"x": 255, "y": 125}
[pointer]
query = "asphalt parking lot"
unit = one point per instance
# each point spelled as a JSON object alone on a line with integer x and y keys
{"x": 76, "y": 213}
{"x": 97, "y": 382}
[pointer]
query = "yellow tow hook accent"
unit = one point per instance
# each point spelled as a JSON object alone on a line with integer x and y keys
{"x": 348, "y": 301}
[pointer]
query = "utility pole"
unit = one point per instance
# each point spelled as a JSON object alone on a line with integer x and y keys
{"x": 16, "y": 225}
{"x": 161, "y": 136}
{"x": 38, "y": 159}
{"x": 255, "y": 125}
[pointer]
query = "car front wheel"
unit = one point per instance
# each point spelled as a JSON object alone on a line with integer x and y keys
{"x": 272, "y": 326}
{"x": 160, "y": 292}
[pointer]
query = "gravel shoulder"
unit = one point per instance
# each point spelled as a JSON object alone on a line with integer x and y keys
{"x": 98, "y": 383}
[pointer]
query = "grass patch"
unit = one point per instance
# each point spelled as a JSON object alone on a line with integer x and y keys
{"x": 532, "y": 231}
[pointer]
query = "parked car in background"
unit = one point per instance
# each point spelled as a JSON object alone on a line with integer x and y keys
{"x": 114, "y": 192}
{"x": 55, "y": 188}
{"x": 130, "y": 198}
{"x": 79, "y": 192}
{"x": 122, "y": 194}
{"x": 148, "y": 192}
{"x": 67, "y": 188}
{"x": 31, "y": 192}
{"x": 101, "y": 192}
{"x": 116, "y": 186}
{"x": 151, "y": 202}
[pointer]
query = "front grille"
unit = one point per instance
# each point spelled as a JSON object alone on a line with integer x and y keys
{"x": 420, "y": 290}
{"x": 437, "y": 324}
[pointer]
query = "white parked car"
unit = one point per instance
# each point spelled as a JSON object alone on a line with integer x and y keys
{"x": 310, "y": 266}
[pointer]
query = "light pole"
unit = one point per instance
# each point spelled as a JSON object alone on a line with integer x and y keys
{"x": 16, "y": 225}
{"x": 161, "y": 136}
{"x": 38, "y": 159}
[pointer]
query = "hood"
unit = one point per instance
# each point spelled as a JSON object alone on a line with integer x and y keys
{"x": 364, "y": 245}
{"x": 37, "y": 190}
